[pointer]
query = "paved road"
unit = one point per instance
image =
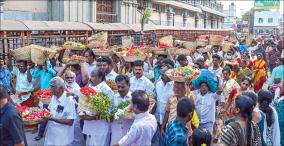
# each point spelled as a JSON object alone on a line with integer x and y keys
{"x": 31, "y": 142}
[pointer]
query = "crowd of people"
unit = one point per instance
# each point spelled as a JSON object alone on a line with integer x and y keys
{"x": 247, "y": 108}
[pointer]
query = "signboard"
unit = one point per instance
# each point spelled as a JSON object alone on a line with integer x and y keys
{"x": 266, "y": 4}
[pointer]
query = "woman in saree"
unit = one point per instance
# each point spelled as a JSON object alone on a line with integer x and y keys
{"x": 259, "y": 75}
{"x": 244, "y": 86}
{"x": 244, "y": 71}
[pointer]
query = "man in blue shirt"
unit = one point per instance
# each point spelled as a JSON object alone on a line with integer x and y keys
{"x": 5, "y": 76}
{"x": 177, "y": 133}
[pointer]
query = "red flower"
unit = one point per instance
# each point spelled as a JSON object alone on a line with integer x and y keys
{"x": 43, "y": 94}
{"x": 112, "y": 85}
{"x": 88, "y": 91}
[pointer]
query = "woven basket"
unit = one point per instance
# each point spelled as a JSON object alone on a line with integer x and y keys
{"x": 178, "y": 79}
{"x": 161, "y": 51}
{"x": 98, "y": 40}
{"x": 37, "y": 55}
{"x": 23, "y": 53}
{"x": 133, "y": 58}
{"x": 83, "y": 106}
{"x": 73, "y": 46}
{"x": 183, "y": 51}
{"x": 73, "y": 60}
{"x": 167, "y": 41}
{"x": 189, "y": 45}
{"x": 227, "y": 47}
{"x": 131, "y": 115}
{"x": 99, "y": 52}
{"x": 32, "y": 122}
{"x": 216, "y": 39}
{"x": 201, "y": 43}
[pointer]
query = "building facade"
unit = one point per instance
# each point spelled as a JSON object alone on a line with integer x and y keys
{"x": 266, "y": 22}
{"x": 231, "y": 17}
{"x": 183, "y": 13}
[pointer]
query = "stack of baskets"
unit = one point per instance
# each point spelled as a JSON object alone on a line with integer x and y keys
{"x": 34, "y": 53}
{"x": 98, "y": 40}
{"x": 166, "y": 41}
{"x": 216, "y": 40}
{"x": 37, "y": 54}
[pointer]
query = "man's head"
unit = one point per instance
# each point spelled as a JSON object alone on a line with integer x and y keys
{"x": 226, "y": 73}
{"x": 22, "y": 65}
{"x": 216, "y": 48}
{"x": 168, "y": 62}
{"x": 57, "y": 86}
{"x": 104, "y": 63}
{"x": 90, "y": 56}
{"x": 205, "y": 55}
{"x": 140, "y": 101}
{"x": 185, "y": 108}
{"x": 161, "y": 57}
{"x": 123, "y": 84}
{"x": 1, "y": 62}
{"x": 182, "y": 60}
{"x": 216, "y": 59}
{"x": 97, "y": 76}
{"x": 204, "y": 88}
{"x": 164, "y": 77}
{"x": 76, "y": 69}
{"x": 179, "y": 89}
{"x": 138, "y": 68}
{"x": 69, "y": 76}
{"x": 199, "y": 61}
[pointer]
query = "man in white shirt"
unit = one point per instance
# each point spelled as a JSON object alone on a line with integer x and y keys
{"x": 74, "y": 91}
{"x": 101, "y": 134}
{"x": 206, "y": 106}
{"x": 139, "y": 81}
{"x": 105, "y": 64}
{"x": 23, "y": 81}
{"x": 144, "y": 125}
{"x": 59, "y": 128}
{"x": 216, "y": 68}
{"x": 119, "y": 127}
{"x": 90, "y": 63}
{"x": 164, "y": 89}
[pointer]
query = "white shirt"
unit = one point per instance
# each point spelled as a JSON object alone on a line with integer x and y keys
{"x": 73, "y": 87}
{"x": 90, "y": 68}
{"x": 22, "y": 83}
{"x": 100, "y": 125}
{"x": 164, "y": 91}
{"x": 111, "y": 76}
{"x": 60, "y": 134}
{"x": 141, "y": 131}
{"x": 142, "y": 83}
{"x": 120, "y": 127}
{"x": 206, "y": 106}
{"x": 217, "y": 72}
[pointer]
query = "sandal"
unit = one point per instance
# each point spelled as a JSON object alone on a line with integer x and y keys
{"x": 38, "y": 138}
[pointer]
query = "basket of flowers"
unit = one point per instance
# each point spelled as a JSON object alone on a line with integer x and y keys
{"x": 124, "y": 109}
{"x": 131, "y": 55}
{"x": 182, "y": 74}
{"x": 73, "y": 45}
{"x": 74, "y": 59}
{"x": 95, "y": 101}
{"x": 44, "y": 96}
{"x": 32, "y": 115}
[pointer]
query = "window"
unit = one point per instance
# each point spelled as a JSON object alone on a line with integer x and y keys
{"x": 261, "y": 31}
{"x": 267, "y": 31}
{"x": 260, "y": 20}
{"x": 270, "y": 20}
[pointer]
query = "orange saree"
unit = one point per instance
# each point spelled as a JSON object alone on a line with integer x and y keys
{"x": 259, "y": 76}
